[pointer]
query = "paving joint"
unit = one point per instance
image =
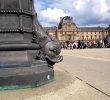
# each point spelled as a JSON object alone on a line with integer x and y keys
{"x": 93, "y": 87}
{"x": 88, "y": 84}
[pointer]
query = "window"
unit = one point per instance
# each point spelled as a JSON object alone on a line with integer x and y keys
{"x": 91, "y": 37}
{"x": 95, "y": 37}
{"x": 87, "y": 37}
{"x": 82, "y": 37}
{"x": 99, "y": 37}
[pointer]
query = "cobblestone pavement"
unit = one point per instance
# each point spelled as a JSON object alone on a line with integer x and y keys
{"x": 67, "y": 85}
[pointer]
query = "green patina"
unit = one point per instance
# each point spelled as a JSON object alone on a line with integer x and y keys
{"x": 38, "y": 84}
{"x": 14, "y": 87}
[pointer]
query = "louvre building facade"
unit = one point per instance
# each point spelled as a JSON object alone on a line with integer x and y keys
{"x": 67, "y": 30}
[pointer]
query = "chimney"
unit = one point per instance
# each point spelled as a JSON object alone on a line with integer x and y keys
{"x": 60, "y": 19}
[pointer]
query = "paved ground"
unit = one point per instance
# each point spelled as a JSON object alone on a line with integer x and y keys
{"x": 90, "y": 68}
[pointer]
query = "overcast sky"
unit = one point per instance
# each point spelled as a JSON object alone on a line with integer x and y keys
{"x": 84, "y": 12}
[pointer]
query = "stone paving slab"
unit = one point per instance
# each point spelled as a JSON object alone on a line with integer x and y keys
{"x": 93, "y": 69}
{"x": 103, "y": 53}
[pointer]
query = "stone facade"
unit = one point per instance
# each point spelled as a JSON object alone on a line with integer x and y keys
{"x": 67, "y": 30}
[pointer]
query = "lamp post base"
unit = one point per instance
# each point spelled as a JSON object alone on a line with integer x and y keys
{"x": 23, "y": 77}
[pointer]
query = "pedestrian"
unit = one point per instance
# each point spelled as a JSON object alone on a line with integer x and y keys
{"x": 79, "y": 44}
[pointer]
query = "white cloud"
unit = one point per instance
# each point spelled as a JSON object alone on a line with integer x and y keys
{"x": 84, "y": 12}
{"x": 79, "y": 5}
{"x": 53, "y": 14}
{"x": 101, "y": 9}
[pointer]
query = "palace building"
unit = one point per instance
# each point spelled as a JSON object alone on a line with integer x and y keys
{"x": 67, "y": 30}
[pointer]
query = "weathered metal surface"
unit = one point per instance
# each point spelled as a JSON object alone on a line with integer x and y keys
{"x": 23, "y": 42}
{"x": 26, "y": 75}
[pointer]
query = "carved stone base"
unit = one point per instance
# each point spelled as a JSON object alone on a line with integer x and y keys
{"x": 22, "y": 77}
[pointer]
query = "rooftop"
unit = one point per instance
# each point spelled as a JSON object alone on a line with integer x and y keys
{"x": 91, "y": 28}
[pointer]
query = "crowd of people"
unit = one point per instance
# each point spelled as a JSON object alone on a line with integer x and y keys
{"x": 81, "y": 44}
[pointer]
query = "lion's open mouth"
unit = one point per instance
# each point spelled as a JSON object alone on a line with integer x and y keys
{"x": 54, "y": 60}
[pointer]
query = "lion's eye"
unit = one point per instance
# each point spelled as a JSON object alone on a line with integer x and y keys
{"x": 55, "y": 50}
